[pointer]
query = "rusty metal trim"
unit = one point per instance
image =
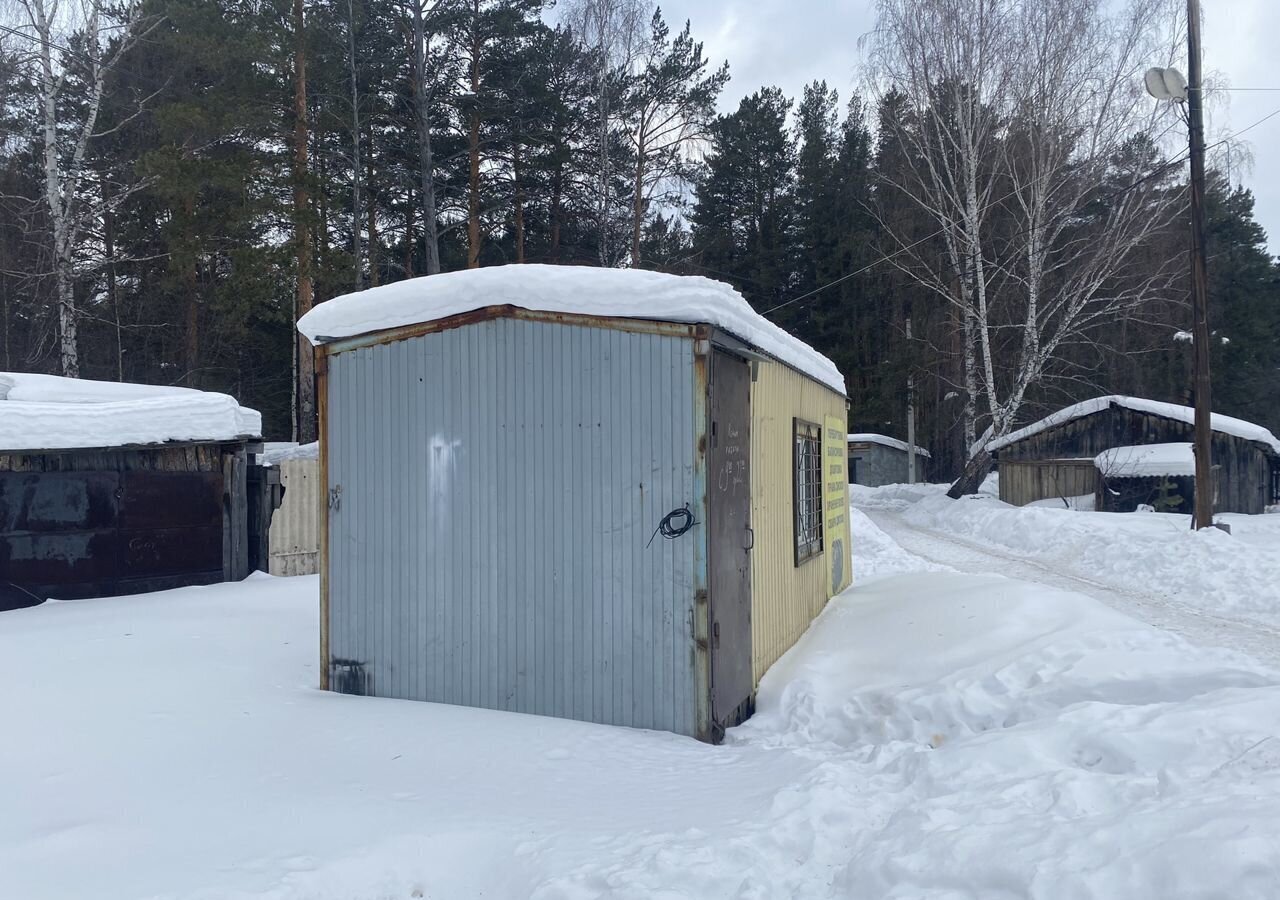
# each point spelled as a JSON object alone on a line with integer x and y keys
{"x": 121, "y": 448}
{"x": 700, "y": 331}
{"x": 704, "y": 721}
{"x": 506, "y": 311}
{"x": 322, "y": 432}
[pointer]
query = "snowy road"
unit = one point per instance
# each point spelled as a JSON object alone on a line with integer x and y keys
{"x": 1243, "y": 633}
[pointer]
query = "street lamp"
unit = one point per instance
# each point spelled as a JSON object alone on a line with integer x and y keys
{"x": 1169, "y": 85}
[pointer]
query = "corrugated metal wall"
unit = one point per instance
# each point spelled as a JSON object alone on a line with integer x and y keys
{"x": 499, "y": 483}
{"x": 295, "y": 526}
{"x": 878, "y": 465}
{"x": 784, "y": 597}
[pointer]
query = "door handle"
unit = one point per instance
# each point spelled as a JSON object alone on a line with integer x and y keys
{"x": 751, "y": 534}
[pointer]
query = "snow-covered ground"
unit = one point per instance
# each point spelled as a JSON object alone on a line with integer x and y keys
{"x": 1140, "y": 559}
{"x": 935, "y": 734}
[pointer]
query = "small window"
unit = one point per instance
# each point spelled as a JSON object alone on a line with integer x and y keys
{"x": 807, "y": 490}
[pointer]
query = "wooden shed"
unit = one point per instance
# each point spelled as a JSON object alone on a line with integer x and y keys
{"x": 615, "y": 496}
{"x": 110, "y": 489}
{"x": 1057, "y": 457}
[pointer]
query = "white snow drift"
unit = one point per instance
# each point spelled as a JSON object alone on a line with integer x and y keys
{"x": 621, "y": 293}
{"x": 46, "y": 412}
{"x": 1156, "y": 554}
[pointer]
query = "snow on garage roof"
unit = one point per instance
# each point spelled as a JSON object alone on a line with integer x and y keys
{"x": 1147, "y": 460}
{"x": 276, "y": 452}
{"x": 886, "y": 441}
{"x": 622, "y": 293}
{"x": 46, "y": 412}
{"x": 1222, "y": 424}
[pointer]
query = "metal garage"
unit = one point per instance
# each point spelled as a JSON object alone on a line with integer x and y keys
{"x": 547, "y": 494}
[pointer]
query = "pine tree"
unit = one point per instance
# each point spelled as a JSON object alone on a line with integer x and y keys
{"x": 744, "y": 223}
{"x": 1244, "y": 297}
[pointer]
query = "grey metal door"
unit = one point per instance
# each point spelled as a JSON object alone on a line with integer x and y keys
{"x": 730, "y": 537}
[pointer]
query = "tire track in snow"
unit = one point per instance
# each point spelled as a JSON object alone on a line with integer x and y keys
{"x": 1257, "y": 639}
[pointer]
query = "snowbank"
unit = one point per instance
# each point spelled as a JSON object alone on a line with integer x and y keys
{"x": 1148, "y": 553}
{"x": 622, "y": 293}
{"x": 46, "y": 412}
{"x": 1223, "y": 424}
{"x": 892, "y": 496}
{"x": 933, "y": 734}
{"x": 877, "y": 555}
{"x": 887, "y": 441}
{"x": 1147, "y": 460}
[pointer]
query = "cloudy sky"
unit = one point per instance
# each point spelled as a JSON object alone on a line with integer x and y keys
{"x": 792, "y": 42}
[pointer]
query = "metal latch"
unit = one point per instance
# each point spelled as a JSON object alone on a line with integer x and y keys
{"x": 335, "y": 496}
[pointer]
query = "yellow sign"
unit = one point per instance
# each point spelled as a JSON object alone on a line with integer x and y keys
{"x": 835, "y": 501}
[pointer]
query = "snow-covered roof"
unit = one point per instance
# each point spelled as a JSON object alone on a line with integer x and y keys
{"x": 886, "y": 441}
{"x": 1147, "y": 460}
{"x": 46, "y": 412}
{"x": 621, "y": 293}
{"x": 275, "y": 452}
{"x": 1220, "y": 423}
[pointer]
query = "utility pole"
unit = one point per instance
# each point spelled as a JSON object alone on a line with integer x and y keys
{"x": 1199, "y": 277}
{"x": 911, "y": 418}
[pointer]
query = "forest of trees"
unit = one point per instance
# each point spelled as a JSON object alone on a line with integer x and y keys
{"x": 179, "y": 179}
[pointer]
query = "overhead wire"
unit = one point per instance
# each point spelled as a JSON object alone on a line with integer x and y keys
{"x": 1161, "y": 169}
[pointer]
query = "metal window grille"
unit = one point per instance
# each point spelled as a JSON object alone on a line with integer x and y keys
{"x": 808, "y": 490}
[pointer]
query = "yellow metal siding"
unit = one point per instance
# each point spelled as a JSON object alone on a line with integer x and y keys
{"x": 295, "y": 526}
{"x": 784, "y": 597}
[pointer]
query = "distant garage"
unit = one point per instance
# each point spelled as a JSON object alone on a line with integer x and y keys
{"x": 615, "y": 496}
{"x": 110, "y": 489}
{"x": 1119, "y": 453}
{"x": 876, "y": 459}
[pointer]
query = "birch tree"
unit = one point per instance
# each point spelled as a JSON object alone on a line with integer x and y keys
{"x": 952, "y": 62}
{"x": 670, "y": 109}
{"x": 1022, "y": 110}
{"x": 615, "y": 31}
{"x": 102, "y": 34}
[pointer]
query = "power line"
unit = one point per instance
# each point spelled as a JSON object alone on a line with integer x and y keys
{"x": 1158, "y": 171}
{"x": 942, "y": 231}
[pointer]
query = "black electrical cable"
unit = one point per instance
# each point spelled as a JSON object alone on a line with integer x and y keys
{"x": 668, "y": 527}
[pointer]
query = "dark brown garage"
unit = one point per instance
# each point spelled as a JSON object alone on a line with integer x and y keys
{"x": 81, "y": 522}
{"x": 1056, "y": 458}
